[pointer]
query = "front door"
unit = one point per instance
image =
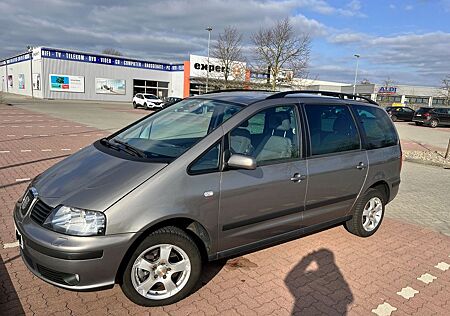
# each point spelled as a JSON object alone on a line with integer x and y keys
{"x": 262, "y": 203}
{"x": 337, "y": 166}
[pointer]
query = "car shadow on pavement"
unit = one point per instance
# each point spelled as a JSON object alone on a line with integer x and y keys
{"x": 9, "y": 301}
{"x": 318, "y": 285}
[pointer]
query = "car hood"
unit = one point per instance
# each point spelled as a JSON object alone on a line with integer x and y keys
{"x": 91, "y": 179}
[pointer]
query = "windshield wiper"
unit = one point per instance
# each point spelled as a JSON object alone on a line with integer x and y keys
{"x": 132, "y": 149}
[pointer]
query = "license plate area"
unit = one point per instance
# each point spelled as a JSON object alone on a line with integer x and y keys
{"x": 19, "y": 238}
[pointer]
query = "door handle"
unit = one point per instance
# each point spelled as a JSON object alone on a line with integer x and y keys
{"x": 361, "y": 166}
{"x": 297, "y": 177}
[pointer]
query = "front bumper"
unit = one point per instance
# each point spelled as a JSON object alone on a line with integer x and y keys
{"x": 71, "y": 262}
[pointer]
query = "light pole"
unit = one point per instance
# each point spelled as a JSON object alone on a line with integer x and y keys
{"x": 356, "y": 72}
{"x": 209, "y": 29}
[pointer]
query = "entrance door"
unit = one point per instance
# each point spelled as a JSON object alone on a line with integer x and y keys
{"x": 265, "y": 202}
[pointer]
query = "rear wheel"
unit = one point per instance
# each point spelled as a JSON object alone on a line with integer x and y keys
{"x": 367, "y": 214}
{"x": 164, "y": 268}
{"x": 434, "y": 123}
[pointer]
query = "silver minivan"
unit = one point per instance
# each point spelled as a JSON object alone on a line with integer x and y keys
{"x": 209, "y": 177}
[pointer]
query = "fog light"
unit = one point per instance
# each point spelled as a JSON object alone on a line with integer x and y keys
{"x": 73, "y": 279}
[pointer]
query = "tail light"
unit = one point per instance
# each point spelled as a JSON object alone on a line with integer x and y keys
{"x": 426, "y": 114}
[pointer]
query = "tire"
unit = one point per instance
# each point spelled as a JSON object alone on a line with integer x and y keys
{"x": 394, "y": 118}
{"x": 134, "y": 105}
{"x": 146, "y": 107}
{"x": 434, "y": 123}
{"x": 418, "y": 123}
{"x": 360, "y": 224}
{"x": 162, "y": 271}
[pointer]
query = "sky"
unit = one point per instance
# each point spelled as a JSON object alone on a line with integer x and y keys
{"x": 405, "y": 41}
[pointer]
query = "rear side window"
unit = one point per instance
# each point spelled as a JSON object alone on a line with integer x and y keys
{"x": 423, "y": 110}
{"x": 332, "y": 129}
{"x": 377, "y": 126}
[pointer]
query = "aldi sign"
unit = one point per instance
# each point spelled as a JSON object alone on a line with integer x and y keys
{"x": 387, "y": 90}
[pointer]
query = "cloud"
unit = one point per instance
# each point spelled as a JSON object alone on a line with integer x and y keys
{"x": 409, "y": 7}
{"x": 410, "y": 58}
{"x": 157, "y": 30}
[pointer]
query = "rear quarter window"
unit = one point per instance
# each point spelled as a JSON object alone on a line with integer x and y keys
{"x": 377, "y": 127}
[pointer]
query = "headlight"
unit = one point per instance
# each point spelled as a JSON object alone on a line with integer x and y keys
{"x": 74, "y": 221}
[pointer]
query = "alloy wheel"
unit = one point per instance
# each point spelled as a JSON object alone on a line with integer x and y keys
{"x": 372, "y": 213}
{"x": 160, "y": 271}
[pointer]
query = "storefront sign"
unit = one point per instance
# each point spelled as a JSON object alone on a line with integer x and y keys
{"x": 387, "y": 90}
{"x": 199, "y": 68}
{"x": 66, "y": 83}
{"x": 109, "y": 86}
{"x": 107, "y": 60}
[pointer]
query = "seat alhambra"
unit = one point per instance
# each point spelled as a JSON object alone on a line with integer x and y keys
{"x": 209, "y": 177}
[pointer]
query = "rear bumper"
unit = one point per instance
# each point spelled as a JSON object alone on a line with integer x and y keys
{"x": 70, "y": 262}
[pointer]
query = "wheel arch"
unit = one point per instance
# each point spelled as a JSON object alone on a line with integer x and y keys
{"x": 383, "y": 186}
{"x": 192, "y": 227}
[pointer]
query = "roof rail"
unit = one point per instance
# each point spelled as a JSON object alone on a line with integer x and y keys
{"x": 237, "y": 90}
{"x": 339, "y": 95}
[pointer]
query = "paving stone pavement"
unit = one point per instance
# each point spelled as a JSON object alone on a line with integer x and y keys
{"x": 328, "y": 273}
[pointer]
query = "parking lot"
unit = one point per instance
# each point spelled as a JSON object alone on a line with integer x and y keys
{"x": 404, "y": 269}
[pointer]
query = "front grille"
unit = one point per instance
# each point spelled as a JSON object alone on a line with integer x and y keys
{"x": 55, "y": 276}
{"x": 26, "y": 202}
{"x": 40, "y": 212}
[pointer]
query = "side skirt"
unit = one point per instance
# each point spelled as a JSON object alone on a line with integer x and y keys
{"x": 275, "y": 240}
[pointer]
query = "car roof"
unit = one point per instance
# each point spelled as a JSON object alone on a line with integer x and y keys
{"x": 247, "y": 97}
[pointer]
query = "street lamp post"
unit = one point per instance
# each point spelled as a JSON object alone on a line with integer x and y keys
{"x": 356, "y": 72}
{"x": 209, "y": 29}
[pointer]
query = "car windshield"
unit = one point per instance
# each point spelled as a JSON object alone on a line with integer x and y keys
{"x": 172, "y": 131}
{"x": 150, "y": 96}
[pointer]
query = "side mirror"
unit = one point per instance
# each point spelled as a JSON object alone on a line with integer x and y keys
{"x": 237, "y": 161}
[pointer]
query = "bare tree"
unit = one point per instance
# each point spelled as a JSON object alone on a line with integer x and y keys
{"x": 228, "y": 49}
{"x": 445, "y": 90}
{"x": 365, "y": 81}
{"x": 111, "y": 51}
{"x": 388, "y": 82}
{"x": 280, "y": 49}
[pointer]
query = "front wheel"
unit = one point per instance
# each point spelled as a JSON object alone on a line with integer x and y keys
{"x": 394, "y": 118}
{"x": 134, "y": 105}
{"x": 367, "y": 214}
{"x": 164, "y": 268}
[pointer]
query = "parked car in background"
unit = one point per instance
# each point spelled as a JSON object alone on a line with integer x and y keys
{"x": 210, "y": 177}
{"x": 422, "y": 115}
{"x": 438, "y": 116}
{"x": 171, "y": 100}
{"x": 147, "y": 101}
{"x": 402, "y": 113}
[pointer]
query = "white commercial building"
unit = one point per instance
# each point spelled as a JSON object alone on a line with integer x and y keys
{"x": 62, "y": 74}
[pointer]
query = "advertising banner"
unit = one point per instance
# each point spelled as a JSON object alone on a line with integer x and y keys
{"x": 199, "y": 67}
{"x": 66, "y": 83}
{"x": 10, "y": 81}
{"x": 110, "y": 86}
{"x": 36, "y": 81}
{"x": 21, "y": 81}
